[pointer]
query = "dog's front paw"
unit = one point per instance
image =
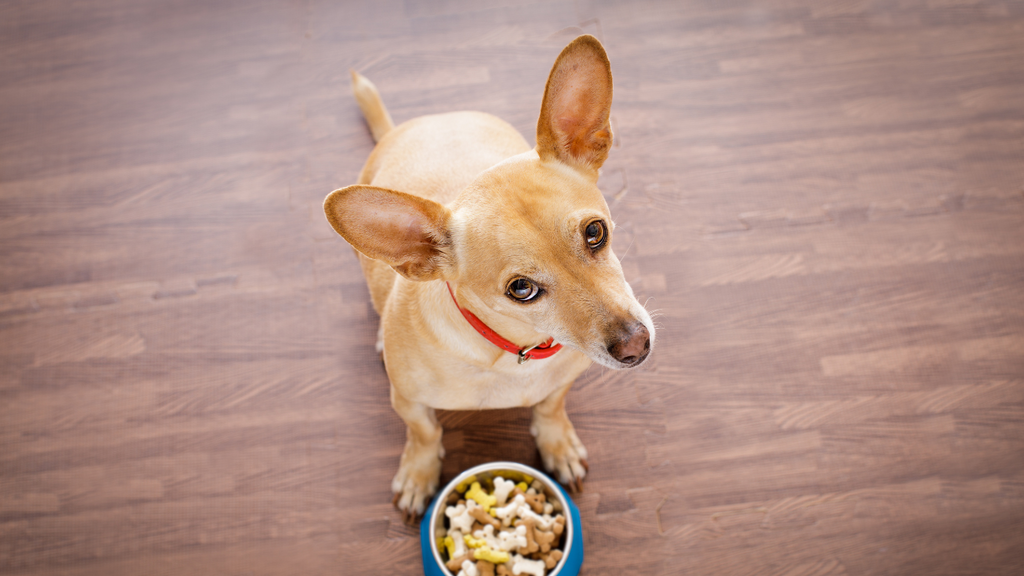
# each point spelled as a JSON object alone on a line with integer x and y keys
{"x": 561, "y": 450}
{"x": 417, "y": 480}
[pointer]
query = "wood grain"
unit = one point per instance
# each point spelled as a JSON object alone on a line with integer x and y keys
{"x": 824, "y": 202}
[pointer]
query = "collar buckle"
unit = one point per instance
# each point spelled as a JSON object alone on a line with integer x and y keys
{"x": 524, "y": 353}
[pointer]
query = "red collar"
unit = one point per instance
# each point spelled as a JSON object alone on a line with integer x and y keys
{"x": 539, "y": 351}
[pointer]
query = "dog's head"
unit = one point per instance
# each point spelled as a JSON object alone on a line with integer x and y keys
{"x": 530, "y": 239}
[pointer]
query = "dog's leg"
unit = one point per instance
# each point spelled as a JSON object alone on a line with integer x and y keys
{"x": 420, "y": 469}
{"x": 560, "y": 448}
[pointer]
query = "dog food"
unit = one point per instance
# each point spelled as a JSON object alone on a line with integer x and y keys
{"x": 502, "y": 528}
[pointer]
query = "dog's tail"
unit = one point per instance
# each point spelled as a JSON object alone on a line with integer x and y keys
{"x": 372, "y": 106}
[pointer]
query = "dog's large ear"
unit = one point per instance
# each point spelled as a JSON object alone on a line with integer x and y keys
{"x": 573, "y": 125}
{"x": 407, "y": 232}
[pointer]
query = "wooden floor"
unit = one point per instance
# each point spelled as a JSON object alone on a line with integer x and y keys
{"x": 824, "y": 201}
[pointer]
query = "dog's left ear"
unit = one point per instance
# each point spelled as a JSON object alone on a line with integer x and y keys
{"x": 573, "y": 125}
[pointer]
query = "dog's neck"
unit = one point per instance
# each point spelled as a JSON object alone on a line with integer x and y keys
{"x": 525, "y": 353}
{"x": 446, "y": 309}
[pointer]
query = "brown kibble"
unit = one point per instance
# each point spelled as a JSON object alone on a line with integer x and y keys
{"x": 559, "y": 525}
{"x": 485, "y": 568}
{"x": 461, "y": 502}
{"x": 538, "y": 486}
{"x": 455, "y": 564}
{"x": 551, "y": 558}
{"x": 531, "y": 538}
{"x": 544, "y": 539}
{"x": 504, "y": 570}
{"x": 536, "y": 501}
{"x": 476, "y": 526}
{"x": 483, "y": 518}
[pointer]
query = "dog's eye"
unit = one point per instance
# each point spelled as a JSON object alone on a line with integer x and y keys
{"x": 522, "y": 290}
{"x": 595, "y": 234}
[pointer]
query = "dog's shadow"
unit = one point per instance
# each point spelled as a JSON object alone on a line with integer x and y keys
{"x": 477, "y": 437}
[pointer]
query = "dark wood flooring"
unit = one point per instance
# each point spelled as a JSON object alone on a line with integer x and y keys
{"x": 824, "y": 201}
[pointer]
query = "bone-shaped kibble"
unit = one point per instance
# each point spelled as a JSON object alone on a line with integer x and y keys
{"x": 488, "y": 536}
{"x": 508, "y": 511}
{"x": 521, "y": 565}
{"x": 559, "y": 525}
{"x": 482, "y": 498}
{"x": 502, "y": 488}
{"x": 535, "y": 500}
{"x": 459, "y": 517}
{"x": 548, "y": 508}
{"x": 474, "y": 542}
{"x": 486, "y": 568}
{"x": 513, "y": 540}
{"x": 455, "y": 544}
{"x": 447, "y": 543}
{"x": 543, "y": 522}
{"x": 481, "y": 515}
{"x": 551, "y": 558}
{"x": 468, "y": 569}
{"x": 456, "y": 563}
{"x": 545, "y": 539}
{"x": 529, "y": 526}
{"x": 492, "y": 556}
{"x": 504, "y": 570}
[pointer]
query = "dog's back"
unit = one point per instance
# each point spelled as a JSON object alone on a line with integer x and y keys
{"x": 433, "y": 156}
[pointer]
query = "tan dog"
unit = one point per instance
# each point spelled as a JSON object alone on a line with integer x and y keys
{"x": 457, "y": 211}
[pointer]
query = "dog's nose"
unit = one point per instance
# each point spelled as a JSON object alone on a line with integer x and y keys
{"x": 633, "y": 347}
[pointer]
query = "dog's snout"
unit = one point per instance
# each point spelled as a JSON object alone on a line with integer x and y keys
{"x": 633, "y": 346}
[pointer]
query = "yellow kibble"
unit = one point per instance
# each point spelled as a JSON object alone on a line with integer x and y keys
{"x": 449, "y": 543}
{"x": 473, "y": 542}
{"x": 465, "y": 483}
{"x": 482, "y": 498}
{"x": 492, "y": 556}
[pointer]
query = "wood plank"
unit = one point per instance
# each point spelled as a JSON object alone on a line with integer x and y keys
{"x": 822, "y": 204}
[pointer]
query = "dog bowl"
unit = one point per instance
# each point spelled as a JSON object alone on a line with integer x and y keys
{"x": 434, "y": 518}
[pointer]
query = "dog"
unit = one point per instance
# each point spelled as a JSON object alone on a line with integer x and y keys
{"x": 490, "y": 265}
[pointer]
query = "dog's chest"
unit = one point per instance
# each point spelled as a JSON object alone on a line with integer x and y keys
{"x": 509, "y": 385}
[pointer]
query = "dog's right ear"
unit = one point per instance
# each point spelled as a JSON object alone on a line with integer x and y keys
{"x": 407, "y": 232}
